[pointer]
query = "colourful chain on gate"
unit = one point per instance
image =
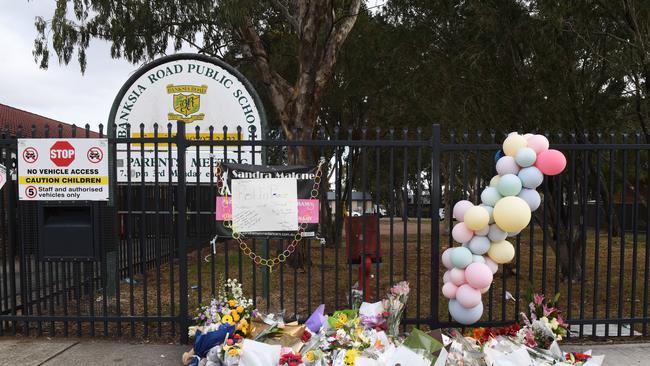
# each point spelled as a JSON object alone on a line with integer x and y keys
{"x": 297, "y": 238}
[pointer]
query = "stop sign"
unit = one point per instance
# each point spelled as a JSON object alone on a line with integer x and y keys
{"x": 62, "y": 153}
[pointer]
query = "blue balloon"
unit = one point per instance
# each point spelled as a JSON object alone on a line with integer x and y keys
{"x": 531, "y": 177}
{"x": 490, "y": 196}
{"x": 465, "y": 316}
{"x": 479, "y": 245}
{"x": 498, "y": 155}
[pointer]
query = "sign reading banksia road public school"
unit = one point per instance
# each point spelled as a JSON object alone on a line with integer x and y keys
{"x": 198, "y": 90}
{"x": 63, "y": 169}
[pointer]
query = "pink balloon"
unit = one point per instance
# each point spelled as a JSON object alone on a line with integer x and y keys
{"x": 467, "y": 296}
{"x": 445, "y": 277}
{"x": 457, "y": 276}
{"x": 478, "y": 275}
{"x": 461, "y": 233}
{"x": 485, "y": 289}
{"x": 494, "y": 267}
{"x": 539, "y": 143}
{"x": 446, "y": 259}
{"x": 460, "y": 207}
{"x": 507, "y": 165}
{"x": 551, "y": 162}
{"x": 449, "y": 290}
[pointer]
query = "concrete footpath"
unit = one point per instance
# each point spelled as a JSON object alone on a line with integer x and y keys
{"x": 64, "y": 352}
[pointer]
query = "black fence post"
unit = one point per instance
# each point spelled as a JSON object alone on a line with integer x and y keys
{"x": 435, "y": 223}
{"x": 181, "y": 237}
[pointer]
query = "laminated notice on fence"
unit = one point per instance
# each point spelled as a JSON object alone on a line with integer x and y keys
{"x": 63, "y": 169}
{"x": 267, "y": 201}
{"x": 3, "y": 176}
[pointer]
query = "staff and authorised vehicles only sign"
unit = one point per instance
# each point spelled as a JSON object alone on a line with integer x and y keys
{"x": 63, "y": 169}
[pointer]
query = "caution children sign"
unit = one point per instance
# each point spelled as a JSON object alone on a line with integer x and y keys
{"x": 63, "y": 169}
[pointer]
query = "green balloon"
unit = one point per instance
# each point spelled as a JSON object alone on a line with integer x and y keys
{"x": 461, "y": 257}
{"x": 509, "y": 185}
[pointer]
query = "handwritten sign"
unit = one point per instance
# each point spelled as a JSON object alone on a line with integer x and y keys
{"x": 265, "y": 204}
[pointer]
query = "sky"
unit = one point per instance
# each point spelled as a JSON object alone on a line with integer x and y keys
{"x": 60, "y": 92}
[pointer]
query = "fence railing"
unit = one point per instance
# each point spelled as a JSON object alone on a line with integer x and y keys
{"x": 588, "y": 241}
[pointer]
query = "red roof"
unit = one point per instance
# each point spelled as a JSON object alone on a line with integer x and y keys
{"x": 11, "y": 119}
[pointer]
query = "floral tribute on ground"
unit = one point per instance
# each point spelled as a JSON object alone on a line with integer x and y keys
{"x": 230, "y": 332}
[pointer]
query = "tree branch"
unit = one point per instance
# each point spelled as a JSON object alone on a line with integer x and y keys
{"x": 287, "y": 15}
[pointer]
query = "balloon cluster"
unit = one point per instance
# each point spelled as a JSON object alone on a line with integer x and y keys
{"x": 505, "y": 210}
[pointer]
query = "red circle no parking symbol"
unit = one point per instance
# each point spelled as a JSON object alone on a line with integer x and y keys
{"x": 62, "y": 153}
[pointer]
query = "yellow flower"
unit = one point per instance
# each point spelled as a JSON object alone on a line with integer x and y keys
{"x": 233, "y": 351}
{"x": 350, "y": 357}
{"x": 341, "y": 319}
{"x": 235, "y": 316}
{"x": 240, "y": 309}
{"x": 232, "y": 303}
{"x": 243, "y": 322}
{"x": 244, "y": 330}
{"x": 227, "y": 319}
{"x": 310, "y": 356}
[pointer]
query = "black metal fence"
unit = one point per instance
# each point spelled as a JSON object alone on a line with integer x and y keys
{"x": 588, "y": 241}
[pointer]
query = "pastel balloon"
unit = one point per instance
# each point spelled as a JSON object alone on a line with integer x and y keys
{"x": 461, "y": 233}
{"x": 465, "y": 316}
{"x": 513, "y": 143}
{"x": 531, "y": 197}
{"x": 476, "y": 218}
{"x": 551, "y": 162}
{"x": 539, "y": 143}
{"x": 485, "y": 289}
{"x": 445, "y": 277}
{"x": 479, "y": 245}
{"x": 457, "y": 276}
{"x": 467, "y": 296}
{"x": 483, "y": 232}
{"x": 478, "y": 275}
{"x": 490, "y": 210}
{"x": 509, "y": 185}
{"x": 446, "y": 259}
{"x": 461, "y": 257}
{"x": 494, "y": 181}
{"x": 477, "y": 259}
{"x": 490, "y": 196}
{"x": 494, "y": 234}
{"x": 460, "y": 207}
{"x": 501, "y": 252}
{"x": 493, "y": 266}
{"x": 526, "y": 157}
{"x": 449, "y": 290}
{"x": 507, "y": 165}
{"x": 512, "y": 214}
{"x": 531, "y": 177}
{"x": 528, "y": 135}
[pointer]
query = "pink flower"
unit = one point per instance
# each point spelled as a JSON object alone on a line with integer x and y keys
{"x": 401, "y": 288}
{"x": 548, "y": 311}
{"x": 538, "y": 299}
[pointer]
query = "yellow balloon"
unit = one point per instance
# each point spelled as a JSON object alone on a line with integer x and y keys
{"x": 511, "y": 214}
{"x": 513, "y": 143}
{"x": 476, "y": 218}
{"x": 501, "y": 252}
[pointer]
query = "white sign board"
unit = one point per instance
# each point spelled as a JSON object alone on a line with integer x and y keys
{"x": 265, "y": 204}
{"x": 198, "y": 90}
{"x": 63, "y": 169}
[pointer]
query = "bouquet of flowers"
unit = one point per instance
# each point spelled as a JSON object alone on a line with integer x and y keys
{"x": 229, "y": 307}
{"x": 547, "y": 313}
{"x": 394, "y": 305}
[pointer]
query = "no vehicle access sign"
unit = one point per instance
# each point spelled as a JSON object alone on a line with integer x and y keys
{"x": 63, "y": 169}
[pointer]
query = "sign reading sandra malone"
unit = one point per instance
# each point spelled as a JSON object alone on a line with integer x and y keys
{"x": 63, "y": 169}
{"x": 199, "y": 90}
